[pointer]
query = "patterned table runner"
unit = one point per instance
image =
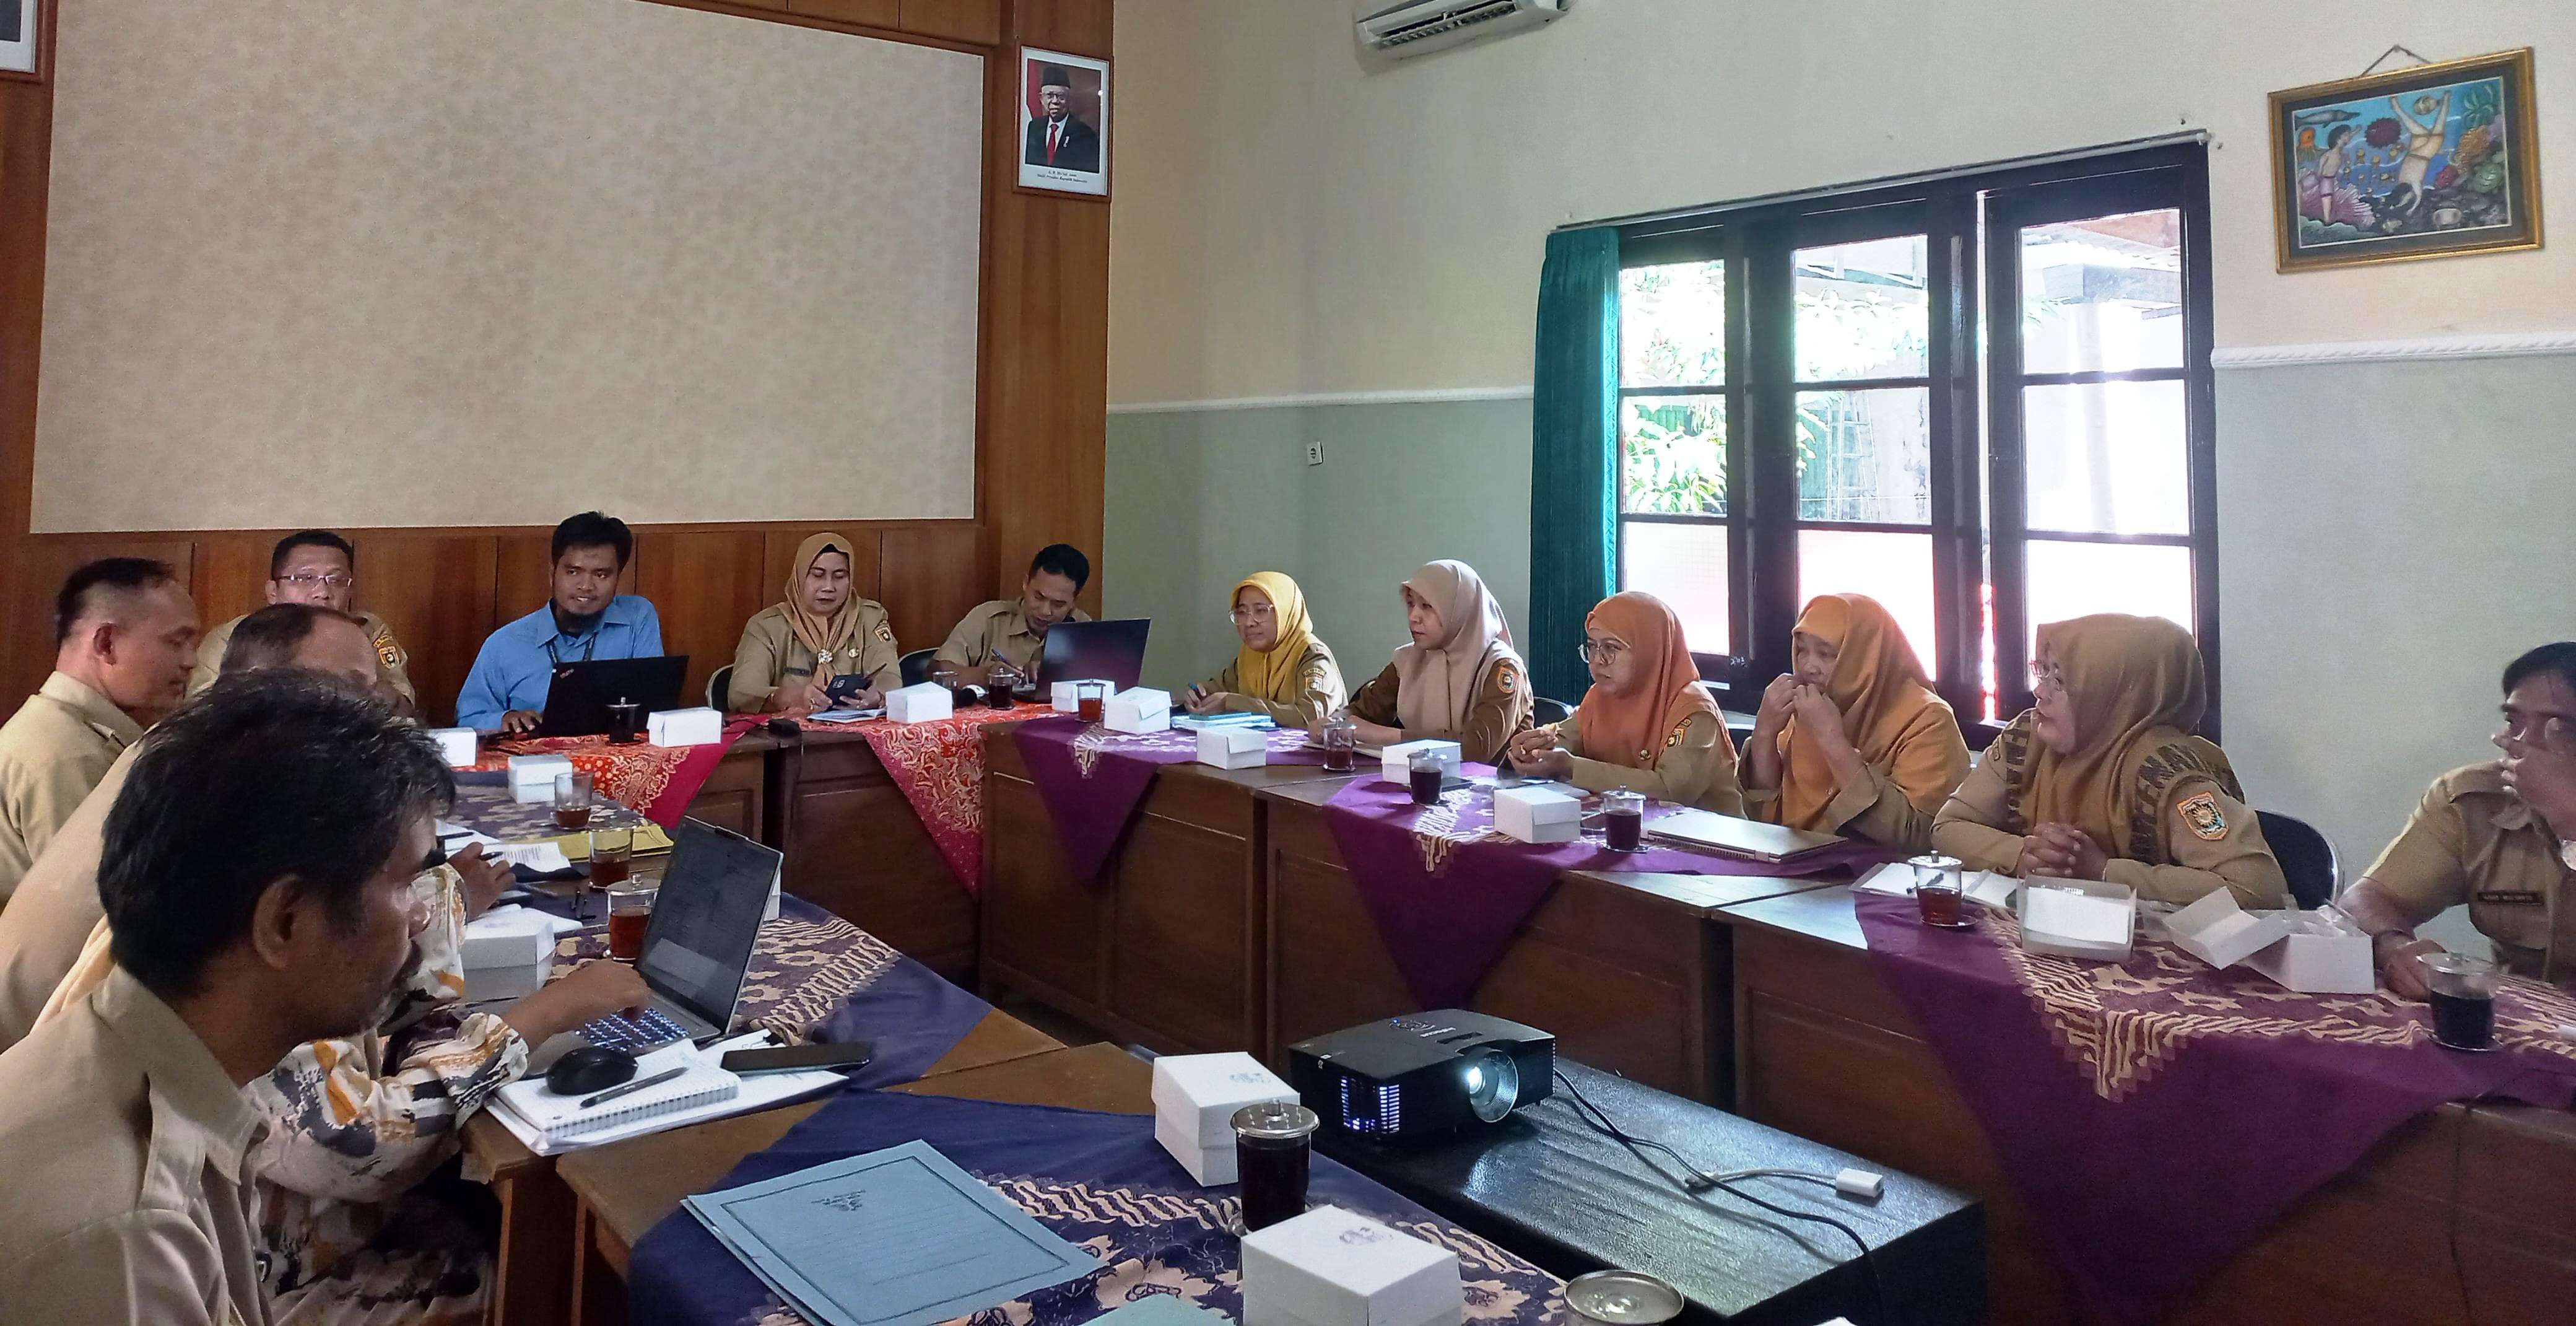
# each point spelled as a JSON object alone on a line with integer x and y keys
{"x": 659, "y": 781}
{"x": 1092, "y": 779}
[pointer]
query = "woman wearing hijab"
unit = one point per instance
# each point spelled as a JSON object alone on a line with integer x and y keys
{"x": 2103, "y": 780}
{"x": 791, "y": 651}
{"x": 1282, "y": 670}
{"x": 1647, "y": 723}
{"x": 1460, "y": 680}
{"x": 1853, "y": 741}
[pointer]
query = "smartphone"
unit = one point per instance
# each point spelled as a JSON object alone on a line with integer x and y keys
{"x": 798, "y": 1058}
{"x": 843, "y": 687}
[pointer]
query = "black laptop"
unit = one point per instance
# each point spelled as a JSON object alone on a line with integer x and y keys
{"x": 577, "y": 699}
{"x": 1113, "y": 652}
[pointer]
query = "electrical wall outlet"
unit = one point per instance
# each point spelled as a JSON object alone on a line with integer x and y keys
{"x": 1314, "y": 453}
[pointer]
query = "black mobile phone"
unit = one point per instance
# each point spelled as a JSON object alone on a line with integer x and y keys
{"x": 843, "y": 687}
{"x": 796, "y": 1058}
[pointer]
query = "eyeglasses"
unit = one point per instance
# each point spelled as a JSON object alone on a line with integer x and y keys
{"x": 2047, "y": 677}
{"x": 308, "y": 580}
{"x": 1596, "y": 655}
{"x": 1259, "y": 612}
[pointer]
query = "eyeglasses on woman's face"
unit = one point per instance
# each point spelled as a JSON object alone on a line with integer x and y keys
{"x": 2047, "y": 678}
{"x": 1597, "y": 653}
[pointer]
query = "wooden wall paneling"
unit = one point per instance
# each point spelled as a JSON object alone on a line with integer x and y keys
{"x": 42, "y": 566}
{"x": 523, "y": 573}
{"x": 976, "y": 21}
{"x": 436, "y": 592}
{"x": 26, "y": 141}
{"x": 931, "y": 574}
{"x": 231, "y": 574}
{"x": 1081, "y": 27}
{"x": 782, "y": 541}
{"x": 873, "y": 13}
{"x": 705, "y": 584}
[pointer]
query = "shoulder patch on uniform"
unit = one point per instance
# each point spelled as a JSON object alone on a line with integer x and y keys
{"x": 386, "y": 649}
{"x": 1505, "y": 677}
{"x": 885, "y": 633}
{"x": 2200, "y": 811}
{"x": 1675, "y": 737}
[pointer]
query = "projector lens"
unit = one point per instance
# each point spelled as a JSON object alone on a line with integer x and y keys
{"x": 1493, "y": 1085}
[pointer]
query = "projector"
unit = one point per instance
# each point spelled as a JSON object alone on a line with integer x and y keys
{"x": 1429, "y": 1073}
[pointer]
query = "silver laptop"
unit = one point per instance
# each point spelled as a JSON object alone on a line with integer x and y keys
{"x": 1726, "y": 835}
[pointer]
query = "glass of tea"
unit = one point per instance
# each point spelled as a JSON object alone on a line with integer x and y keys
{"x": 573, "y": 793}
{"x": 1427, "y": 773}
{"x": 2462, "y": 995}
{"x": 1273, "y": 1145}
{"x": 1091, "y": 699}
{"x": 1940, "y": 892}
{"x": 612, "y": 856}
{"x": 945, "y": 678}
{"x": 625, "y": 722}
{"x": 1341, "y": 741}
{"x": 630, "y": 913}
{"x": 1623, "y": 819}
{"x": 1002, "y": 685}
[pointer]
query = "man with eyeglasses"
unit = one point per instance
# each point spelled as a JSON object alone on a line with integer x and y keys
{"x": 317, "y": 568}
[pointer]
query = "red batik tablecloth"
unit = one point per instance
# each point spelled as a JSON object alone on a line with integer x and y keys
{"x": 659, "y": 781}
{"x": 940, "y": 767}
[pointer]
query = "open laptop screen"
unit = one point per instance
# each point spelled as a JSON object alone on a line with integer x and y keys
{"x": 706, "y": 919}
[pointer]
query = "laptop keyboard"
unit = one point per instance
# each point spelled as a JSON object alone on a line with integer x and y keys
{"x": 619, "y": 1031}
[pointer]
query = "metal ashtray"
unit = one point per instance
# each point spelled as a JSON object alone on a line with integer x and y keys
{"x": 1622, "y": 1298}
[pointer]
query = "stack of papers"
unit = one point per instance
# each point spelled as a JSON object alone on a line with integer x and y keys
{"x": 899, "y": 1237}
{"x": 1985, "y": 886}
{"x": 1201, "y": 722}
{"x": 846, "y": 715}
{"x": 759, "y": 1092}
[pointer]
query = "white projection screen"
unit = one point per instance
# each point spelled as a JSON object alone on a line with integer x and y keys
{"x": 370, "y": 263}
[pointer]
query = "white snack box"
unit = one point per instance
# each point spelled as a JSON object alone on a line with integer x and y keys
{"x": 455, "y": 745}
{"x": 2078, "y": 918}
{"x": 1330, "y": 1267}
{"x": 1210, "y": 1166}
{"x": 1234, "y": 747}
{"x": 2218, "y": 932}
{"x": 508, "y": 952}
{"x": 1199, "y": 1093}
{"x": 1394, "y": 761}
{"x": 1538, "y": 813}
{"x": 1066, "y": 702}
{"x": 2324, "y": 953}
{"x": 700, "y": 726}
{"x": 924, "y": 703}
{"x": 1138, "y": 710}
{"x": 532, "y": 777}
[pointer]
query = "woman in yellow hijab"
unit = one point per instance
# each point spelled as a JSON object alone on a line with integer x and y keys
{"x": 1647, "y": 723}
{"x": 1852, "y": 740}
{"x": 1281, "y": 669}
{"x": 2103, "y": 780}
{"x": 791, "y": 650}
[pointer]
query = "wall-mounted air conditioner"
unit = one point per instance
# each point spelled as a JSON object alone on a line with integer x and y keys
{"x": 1397, "y": 29}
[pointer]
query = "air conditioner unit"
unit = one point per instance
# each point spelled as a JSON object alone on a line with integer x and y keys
{"x": 1401, "y": 28}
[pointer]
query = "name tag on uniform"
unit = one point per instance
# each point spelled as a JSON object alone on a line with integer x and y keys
{"x": 2512, "y": 898}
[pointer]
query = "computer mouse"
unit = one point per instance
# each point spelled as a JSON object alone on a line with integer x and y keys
{"x": 587, "y": 1068}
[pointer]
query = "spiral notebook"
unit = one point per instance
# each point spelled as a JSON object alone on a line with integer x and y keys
{"x": 558, "y": 1119}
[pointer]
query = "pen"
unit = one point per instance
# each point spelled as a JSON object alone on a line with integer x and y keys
{"x": 637, "y": 1085}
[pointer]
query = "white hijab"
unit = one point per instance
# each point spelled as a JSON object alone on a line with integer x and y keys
{"x": 1439, "y": 684}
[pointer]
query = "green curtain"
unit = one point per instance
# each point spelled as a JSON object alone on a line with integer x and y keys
{"x": 1574, "y": 424}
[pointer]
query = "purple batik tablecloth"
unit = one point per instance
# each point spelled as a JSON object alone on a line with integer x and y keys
{"x": 2159, "y": 1114}
{"x": 1448, "y": 891}
{"x": 1092, "y": 779}
{"x": 1099, "y": 1180}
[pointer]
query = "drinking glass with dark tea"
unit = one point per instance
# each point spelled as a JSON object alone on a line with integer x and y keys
{"x": 1940, "y": 890}
{"x": 1623, "y": 820}
{"x": 2460, "y": 990}
{"x": 1341, "y": 742}
{"x": 573, "y": 792}
{"x": 1273, "y": 1145}
{"x": 630, "y": 914}
{"x": 625, "y": 722}
{"x": 612, "y": 855}
{"x": 1427, "y": 772}
{"x": 1091, "y": 699}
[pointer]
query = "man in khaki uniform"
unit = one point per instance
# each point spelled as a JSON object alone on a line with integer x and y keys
{"x": 124, "y": 631}
{"x": 251, "y": 915}
{"x": 2494, "y": 836}
{"x": 317, "y": 567}
{"x": 1014, "y": 630}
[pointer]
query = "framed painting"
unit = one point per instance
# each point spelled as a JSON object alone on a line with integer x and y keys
{"x": 2430, "y": 162}
{"x": 22, "y": 38}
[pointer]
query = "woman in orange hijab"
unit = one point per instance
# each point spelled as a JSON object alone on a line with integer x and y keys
{"x": 1852, "y": 740}
{"x": 1647, "y": 723}
{"x": 2103, "y": 780}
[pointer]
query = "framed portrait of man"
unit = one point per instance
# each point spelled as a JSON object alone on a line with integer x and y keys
{"x": 22, "y": 38}
{"x": 1064, "y": 122}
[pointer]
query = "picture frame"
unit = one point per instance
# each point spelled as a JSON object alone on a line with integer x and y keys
{"x": 2435, "y": 161}
{"x": 1064, "y": 126}
{"x": 26, "y": 40}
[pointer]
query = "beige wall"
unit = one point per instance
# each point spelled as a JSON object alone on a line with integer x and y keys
{"x": 1287, "y": 222}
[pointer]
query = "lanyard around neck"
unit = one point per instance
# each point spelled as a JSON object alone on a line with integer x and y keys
{"x": 586, "y": 650}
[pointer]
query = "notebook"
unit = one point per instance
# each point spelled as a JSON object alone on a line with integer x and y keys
{"x": 1725, "y": 835}
{"x": 558, "y": 1119}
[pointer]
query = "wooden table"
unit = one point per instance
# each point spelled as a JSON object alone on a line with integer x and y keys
{"x": 1825, "y": 1050}
{"x": 856, "y": 848}
{"x": 626, "y": 1188}
{"x": 532, "y": 1276}
{"x": 1169, "y": 947}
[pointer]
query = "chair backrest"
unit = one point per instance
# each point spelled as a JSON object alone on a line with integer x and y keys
{"x": 916, "y": 666}
{"x": 2305, "y": 855}
{"x": 718, "y": 688}
{"x": 1544, "y": 711}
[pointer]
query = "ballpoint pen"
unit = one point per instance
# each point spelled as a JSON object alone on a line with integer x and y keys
{"x": 637, "y": 1085}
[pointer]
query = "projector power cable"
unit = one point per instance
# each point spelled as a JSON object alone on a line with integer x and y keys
{"x": 1850, "y": 1184}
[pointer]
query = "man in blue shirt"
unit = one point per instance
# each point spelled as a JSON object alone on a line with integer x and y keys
{"x": 586, "y": 619}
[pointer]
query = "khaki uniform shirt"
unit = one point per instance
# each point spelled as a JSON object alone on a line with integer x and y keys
{"x": 1501, "y": 711}
{"x": 393, "y": 663}
{"x": 770, "y": 656}
{"x": 43, "y": 928}
{"x": 128, "y": 1186}
{"x": 1873, "y": 806}
{"x": 52, "y": 752}
{"x": 1694, "y": 770}
{"x": 2473, "y": 841}
{"x": 996, "y": 630}
{"x": 2212, "y": 840}
{"x": 1319, "y": 689}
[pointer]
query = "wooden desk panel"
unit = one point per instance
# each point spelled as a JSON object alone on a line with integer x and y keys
{"x": 856, "y": 848}
{"x": 732, "y": 796}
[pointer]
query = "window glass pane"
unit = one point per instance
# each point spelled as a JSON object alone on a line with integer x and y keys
{"x": 1685, "y": 566}
{"x": 1673, "y": 451}
{"x": 1672, "y": 325}
{"x": 1865, "y": 455}
{"x": 1895, "y": 569}
{"x": 1861, "y": 310}
{"x": 2074, "y": 579}
{"x": 2102, "y": 294}
{"x": 2106, "y": 458}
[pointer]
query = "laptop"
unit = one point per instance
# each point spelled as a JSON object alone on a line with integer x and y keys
{"x": 1113, "y": 652}
{"x": 578, "y": 697}
{"x": 696, "y": 948}
{"x": 1726, "y": 835}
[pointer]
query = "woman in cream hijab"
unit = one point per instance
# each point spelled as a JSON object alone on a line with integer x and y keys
{"x": 791, "y": 650}
{"x": 1647, "y": 723}
{"x": 1853, "y": 741}
{"x": 1460, "y": 680}
{"x": 2103, "y": 780}
{"x": 1282, "y": 670}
